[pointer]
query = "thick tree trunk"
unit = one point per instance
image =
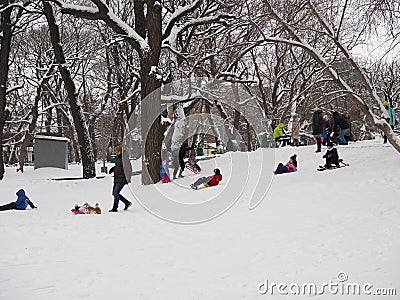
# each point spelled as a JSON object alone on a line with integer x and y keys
{"x": 152, "y": 130}
{"x": 85, "y": 144}
{"x": 4, "y": 58}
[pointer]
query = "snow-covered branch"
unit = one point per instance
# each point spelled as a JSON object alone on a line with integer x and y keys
{"x": 104, "y": 13}
{"x": 179, "y": 14}
{"x": 176, "y": 30}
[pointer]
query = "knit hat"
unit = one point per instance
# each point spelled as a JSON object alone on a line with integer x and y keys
{"x": 385, "y": 103}
{"x": 294, "y": 159}
{"x": 330, "y": 144}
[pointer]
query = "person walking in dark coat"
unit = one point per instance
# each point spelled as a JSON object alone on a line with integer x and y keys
{"x": 122, "y": 176}
{"x": 178, "y": 159}
{"x": 317, "y": 124}
{"x": 21, "y": 203}
{"x": 342, "y": 125}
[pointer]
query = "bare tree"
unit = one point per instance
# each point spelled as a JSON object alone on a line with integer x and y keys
{"x": 80, "y": 123}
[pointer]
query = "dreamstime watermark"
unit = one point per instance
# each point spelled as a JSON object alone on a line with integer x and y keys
{"x": 216, "y": 101}
{"x": 340, "y": 286}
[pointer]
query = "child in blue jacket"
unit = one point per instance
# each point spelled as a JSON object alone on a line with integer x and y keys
{"x": 21, "y": 203}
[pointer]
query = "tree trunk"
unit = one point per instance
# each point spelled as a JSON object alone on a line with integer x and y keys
{"x": 28, "y": 137}
{"x": 4, "y": 68}
{"x": 85, "y": 144}
{"x": 152, "y": 131}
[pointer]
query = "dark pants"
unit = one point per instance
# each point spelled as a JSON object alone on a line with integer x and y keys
{"x": 281, "y": 169}
{"x": 283, "y": 139}
{"x": 343, "y": 133}
{"x": 179, "y": 165}
{"x": 201, "y": 180}
{"x": 319, "y": 143}
{"x": 329, "y": 162}
{"x": 8, "y": 206}
{"x": 117, "y": 196}
{"x": 385, "y": 137}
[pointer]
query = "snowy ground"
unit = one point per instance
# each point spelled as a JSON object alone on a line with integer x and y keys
{"x": 311, "y": 226}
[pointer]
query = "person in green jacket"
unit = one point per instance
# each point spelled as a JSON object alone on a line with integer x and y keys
{"x": 279, "y": 134}
{"x": 391, "y": 120}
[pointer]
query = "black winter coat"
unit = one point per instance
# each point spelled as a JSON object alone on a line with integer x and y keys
{"x": 119, "y": 175}
{"x": 331, "y": 156}
{"x": 317, "y": 123}
{"x": 341, "y": 121}
{"x": 182, "y": 151}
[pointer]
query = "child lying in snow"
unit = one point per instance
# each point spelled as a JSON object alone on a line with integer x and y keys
{"x": 291, "y": 166}
{"x": 87, "y": 209}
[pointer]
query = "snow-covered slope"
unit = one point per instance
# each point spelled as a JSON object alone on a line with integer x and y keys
{"x": 310, "y": 226}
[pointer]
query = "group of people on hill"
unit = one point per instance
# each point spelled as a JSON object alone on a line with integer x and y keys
{"x": 324, "y": 129}
{"x": 331, "y": 156}
{"x": 336, "y": 129}
{"x": 179, "y": 165}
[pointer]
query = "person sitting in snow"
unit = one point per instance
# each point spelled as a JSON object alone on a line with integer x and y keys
{"x": 291, "y": 166}
{"x": 87, "y": 209}
{"x": 331, "y": 157}
{"x": 21, "y": 203}
{"x": 208, "y": 181}
{"x": 164, "y": 171}
{"x": 279, "y": 135}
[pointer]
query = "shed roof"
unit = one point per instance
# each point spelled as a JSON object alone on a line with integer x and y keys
{"x": 49, "y": 137}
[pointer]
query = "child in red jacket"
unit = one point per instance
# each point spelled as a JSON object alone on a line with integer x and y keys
{"x": 208, "y": 181}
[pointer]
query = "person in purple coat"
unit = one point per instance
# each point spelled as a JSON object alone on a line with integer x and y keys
{"x": 21, "y": 203}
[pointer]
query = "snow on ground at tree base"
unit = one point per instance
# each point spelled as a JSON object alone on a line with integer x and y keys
{"x": 311, "y": 226}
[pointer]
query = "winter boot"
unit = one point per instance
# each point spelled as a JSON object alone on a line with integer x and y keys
{"x": 129, "y": 204}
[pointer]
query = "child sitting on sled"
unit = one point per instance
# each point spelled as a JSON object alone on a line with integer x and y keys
{"x": 164, "y": 171}
{"x": 192, "y": 162}
{"x": 331, "y": 157}
{"x": 87, "y": 209}
{"x": 208, "y": 181}
{"x": 291, "y": 166}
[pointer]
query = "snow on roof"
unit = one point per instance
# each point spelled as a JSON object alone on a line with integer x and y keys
{"x": 49, "y": 137}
